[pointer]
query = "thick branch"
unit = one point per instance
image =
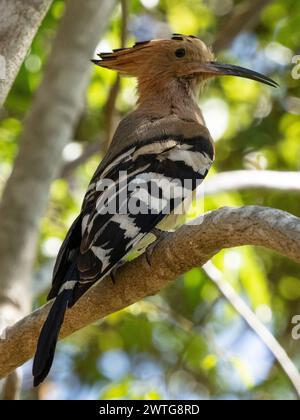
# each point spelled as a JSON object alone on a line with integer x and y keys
{"x": 190, "y": 246}
{"x": 248, "y": 179}
{"x": 49, "y": 125}
{"x": 19, "y": 22}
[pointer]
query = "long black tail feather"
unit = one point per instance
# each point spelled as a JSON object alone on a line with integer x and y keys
{"x": 48, "y": 337}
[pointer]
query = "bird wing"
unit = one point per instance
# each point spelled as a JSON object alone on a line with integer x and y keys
{"x": 129, "y": 195}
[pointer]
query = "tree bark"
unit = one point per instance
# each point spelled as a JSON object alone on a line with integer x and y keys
{"x": 191, "y": 246}
{"x": 48, "y": 127}
{"x": 19, "y": 22}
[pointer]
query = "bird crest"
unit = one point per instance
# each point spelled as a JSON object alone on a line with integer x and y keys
{"x": 154, "y": 55}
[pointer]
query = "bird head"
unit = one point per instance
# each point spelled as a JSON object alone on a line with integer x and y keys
{"x": 181, "y": 57}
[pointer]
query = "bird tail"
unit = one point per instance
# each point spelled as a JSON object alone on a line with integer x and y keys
{"x": 49, "y": 334}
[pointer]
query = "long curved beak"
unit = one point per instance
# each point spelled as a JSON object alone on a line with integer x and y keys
{"x": 219, "y": 69}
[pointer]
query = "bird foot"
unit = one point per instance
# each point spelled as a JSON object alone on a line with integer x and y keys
{"x": 160, "y": 236}
{"x": 113, "y": 273}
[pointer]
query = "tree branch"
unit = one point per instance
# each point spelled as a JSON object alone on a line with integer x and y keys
{"x": 12, "y": 386}
{"x": 191, "y": 246}
{"x": 19, "y": 22}
{"x": 110, "y": 107}
{"x": 252, "y": 179}
{"x": 89, "y": 151}
{"x": 243, "y": 17}
{"x": 109, "y": 111}
{"x": 49, "y": 126}
{"x": 255, "y": 324}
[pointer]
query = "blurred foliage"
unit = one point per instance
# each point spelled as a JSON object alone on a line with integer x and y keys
{"x": 186, "y": 342}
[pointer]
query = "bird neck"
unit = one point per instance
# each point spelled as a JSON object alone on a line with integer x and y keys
{"x": 177, "y": 97}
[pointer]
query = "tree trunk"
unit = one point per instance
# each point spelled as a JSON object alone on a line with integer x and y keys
{"x": 19, "y": 22}
{"x": 48, "y": 127}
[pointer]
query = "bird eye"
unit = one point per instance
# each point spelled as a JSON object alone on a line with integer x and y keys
{"x": 180, "y": 52}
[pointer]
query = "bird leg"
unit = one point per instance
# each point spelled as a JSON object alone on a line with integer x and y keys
{"x": 160, "y": 236}
{"x": 113, "y": 272}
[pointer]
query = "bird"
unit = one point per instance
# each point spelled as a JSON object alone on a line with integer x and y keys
{"x": 163, "y": 150}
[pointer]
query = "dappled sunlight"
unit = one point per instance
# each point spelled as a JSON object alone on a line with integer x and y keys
{"x": 186, "y": 342}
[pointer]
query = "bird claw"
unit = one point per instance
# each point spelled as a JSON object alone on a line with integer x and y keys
{"x": 148, "y": 253}
{"x": 160, "y": 236}
{"x": 113, "y": 272}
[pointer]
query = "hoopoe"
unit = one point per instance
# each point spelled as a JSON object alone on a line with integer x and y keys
{"x": 161, "y": 144}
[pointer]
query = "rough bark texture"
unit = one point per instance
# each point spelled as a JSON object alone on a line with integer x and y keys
{"x": 19, "y": 21}
{"x": 190, "y": 246}
{"x": 48, "y": 127}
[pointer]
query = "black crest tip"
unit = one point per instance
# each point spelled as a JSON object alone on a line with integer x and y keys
{"x": 140, "y": 43}
{"x": 177, "y": 37}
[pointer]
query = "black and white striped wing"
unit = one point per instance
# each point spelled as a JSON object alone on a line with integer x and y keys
{"x": 146, "y": 182}
{"x": 162, "y": 161}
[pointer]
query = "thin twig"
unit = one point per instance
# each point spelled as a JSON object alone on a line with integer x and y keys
{"x": 243, "y": 17}
{"x": 109, "y": 110}
{"x": 253, "y": 321}
{"x": 90, "y": 150}
{"x": 124, "y": 27}
{"x": 185, "y": 324}
{"x": 12, "y": 386}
